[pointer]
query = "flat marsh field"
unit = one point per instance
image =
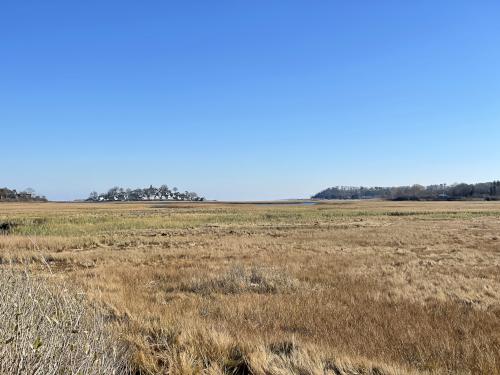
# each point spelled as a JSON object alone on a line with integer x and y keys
{"x": 368, "y": 287}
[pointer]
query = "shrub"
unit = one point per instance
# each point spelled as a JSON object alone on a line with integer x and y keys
{"x": 43, "y": 332}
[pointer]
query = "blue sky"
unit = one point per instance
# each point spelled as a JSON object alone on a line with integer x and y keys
{"x": 247, "y": 99}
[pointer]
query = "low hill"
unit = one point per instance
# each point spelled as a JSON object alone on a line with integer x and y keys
{"x": 462, "y": 191}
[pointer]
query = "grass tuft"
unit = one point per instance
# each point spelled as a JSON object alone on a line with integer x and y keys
{"x": 239, "y": 279}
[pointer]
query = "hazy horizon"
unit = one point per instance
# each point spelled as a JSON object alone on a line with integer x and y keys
{"x": 247, "y": 101}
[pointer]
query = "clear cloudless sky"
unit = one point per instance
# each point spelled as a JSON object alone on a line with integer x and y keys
{"x": 247, "y": 99}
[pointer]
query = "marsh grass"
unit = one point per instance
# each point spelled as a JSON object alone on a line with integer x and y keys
{"x": 86, "y": 220}
{"x": 334, "y": 288}
{"x": 239, "y": 279}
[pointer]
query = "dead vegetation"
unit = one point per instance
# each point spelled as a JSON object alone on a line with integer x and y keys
{"x": 43, "y": 332}
{"x": 335, "y": 288}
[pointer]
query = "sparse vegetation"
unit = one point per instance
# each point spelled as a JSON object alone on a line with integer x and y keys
{"x": 365, "y": 287}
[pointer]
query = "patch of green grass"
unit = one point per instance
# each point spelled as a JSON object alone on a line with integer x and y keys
{"x": 87, "y": 222}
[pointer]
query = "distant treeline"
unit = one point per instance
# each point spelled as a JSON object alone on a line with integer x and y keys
{"x": 485, "y": 190}
{"x": 28, "y": 195}
{"x": 147, "y": 194}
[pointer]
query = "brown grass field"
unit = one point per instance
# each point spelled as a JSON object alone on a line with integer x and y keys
{"x": 369, "y": 287}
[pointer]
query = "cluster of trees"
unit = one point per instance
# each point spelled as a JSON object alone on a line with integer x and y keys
{"x": 147, "y": 194}
{"x": 485, "y": 190}
{"x": 27, "y": 195}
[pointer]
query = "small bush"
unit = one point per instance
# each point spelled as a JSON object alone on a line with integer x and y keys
{"x": 6, "y": 227}
{"x": 241, "y": 280}
{"x": 42, "y": 332}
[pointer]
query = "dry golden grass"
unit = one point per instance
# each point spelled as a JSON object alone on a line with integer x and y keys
{"x": 337, "y": 288}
